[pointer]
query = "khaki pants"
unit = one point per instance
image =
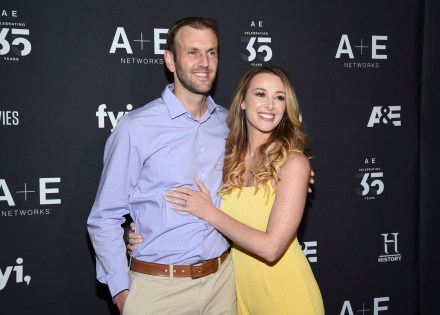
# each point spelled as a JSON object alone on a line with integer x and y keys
{"x": 210, "y": 295}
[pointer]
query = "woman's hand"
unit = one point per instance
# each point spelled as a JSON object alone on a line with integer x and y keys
{"x": 198, "y": 203}
{"x": 132, "y": 239}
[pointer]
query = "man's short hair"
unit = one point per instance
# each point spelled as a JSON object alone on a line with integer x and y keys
{"x": 194, "y": 22}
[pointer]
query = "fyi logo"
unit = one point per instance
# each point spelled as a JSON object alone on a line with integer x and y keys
{"x": 18, "y": 270}
{"x": 102, "y": 113}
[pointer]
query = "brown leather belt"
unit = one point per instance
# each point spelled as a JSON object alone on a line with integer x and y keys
{"x": 194, "y": 271}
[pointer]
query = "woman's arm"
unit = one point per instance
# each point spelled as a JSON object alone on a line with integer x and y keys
{"x": 284, "y": 219}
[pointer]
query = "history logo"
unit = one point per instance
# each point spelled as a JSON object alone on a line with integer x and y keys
{"x": 390, "y": 248}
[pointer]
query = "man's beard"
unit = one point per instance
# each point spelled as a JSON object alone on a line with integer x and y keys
{"x": 190, "y": 86}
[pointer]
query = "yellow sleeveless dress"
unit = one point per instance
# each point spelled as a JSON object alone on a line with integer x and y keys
{"x": 282, "y": 288}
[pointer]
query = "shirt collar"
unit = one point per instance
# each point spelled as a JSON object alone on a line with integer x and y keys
{"x": 176, "y": 108}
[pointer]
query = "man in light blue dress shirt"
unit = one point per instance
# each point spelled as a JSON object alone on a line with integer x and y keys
{"x": 182, "y": 266}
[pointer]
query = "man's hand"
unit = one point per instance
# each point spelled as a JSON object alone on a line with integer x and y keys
{"x": 120, "y": 299}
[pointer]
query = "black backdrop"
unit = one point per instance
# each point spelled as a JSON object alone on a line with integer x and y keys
{"x": 429, "y": 167}
{"x": 365, "y": 74}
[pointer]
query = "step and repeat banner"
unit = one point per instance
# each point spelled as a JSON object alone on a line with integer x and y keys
{"x": 70, "y": 69}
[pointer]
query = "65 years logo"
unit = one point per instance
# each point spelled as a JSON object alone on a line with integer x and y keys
{"x": 258, "y": 44}
{"x": 371, "y": 180}
{"x": 14, "y": 36}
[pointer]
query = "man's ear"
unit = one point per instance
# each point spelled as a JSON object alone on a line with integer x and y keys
{"x": 169, "y": 60}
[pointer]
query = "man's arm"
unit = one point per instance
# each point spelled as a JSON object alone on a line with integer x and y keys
{"x": 122, "y": 167}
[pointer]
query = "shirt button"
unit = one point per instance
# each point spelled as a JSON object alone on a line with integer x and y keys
{"x": 202, "y": 175}
{"x": 202, "y": 150}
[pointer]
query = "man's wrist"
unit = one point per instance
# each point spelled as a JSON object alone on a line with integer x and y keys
{"x": 114, "y": 297}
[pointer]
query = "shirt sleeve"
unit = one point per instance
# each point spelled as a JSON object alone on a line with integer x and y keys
{"x": 122, "y": 168}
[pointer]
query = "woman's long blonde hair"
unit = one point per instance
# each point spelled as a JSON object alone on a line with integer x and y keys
{"x": 286, "y": 137}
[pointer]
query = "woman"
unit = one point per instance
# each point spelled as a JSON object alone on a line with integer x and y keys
{"x": 265, "y": 183}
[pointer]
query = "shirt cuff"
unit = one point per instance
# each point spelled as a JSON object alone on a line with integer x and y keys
{"x": 119, "y": 282}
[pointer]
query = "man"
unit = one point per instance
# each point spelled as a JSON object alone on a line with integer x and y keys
{"x": 182, "y": 266}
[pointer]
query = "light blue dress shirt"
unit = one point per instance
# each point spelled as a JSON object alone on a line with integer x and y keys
{"x": 153, "y": 149}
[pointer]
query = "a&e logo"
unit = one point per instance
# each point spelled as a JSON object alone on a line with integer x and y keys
{"x": 379, "y": 305}
{"x": 385, "y": 115}
{"x": 309, "y": 250}
{"x": 46, "y": 192}
{"x": 360, "y": 53}
{"x": 149, "y": 48}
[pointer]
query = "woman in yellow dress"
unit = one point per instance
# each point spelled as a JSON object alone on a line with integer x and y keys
{"x": 265, "y": 183}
